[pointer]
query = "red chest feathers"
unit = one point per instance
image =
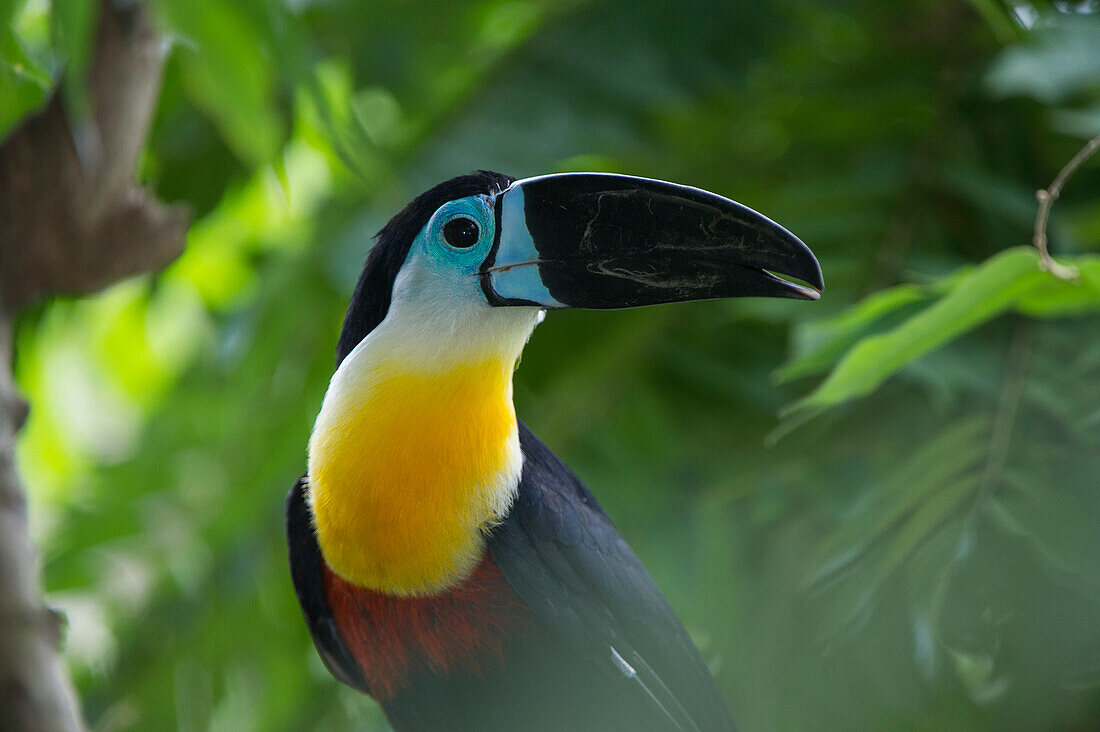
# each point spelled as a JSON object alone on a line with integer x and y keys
{"x": 391, "y": 637}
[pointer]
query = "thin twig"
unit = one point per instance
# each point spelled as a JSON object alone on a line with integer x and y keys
{"x": 1046, "y": 199}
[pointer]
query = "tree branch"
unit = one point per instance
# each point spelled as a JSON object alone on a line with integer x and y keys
{"x": 35, "y": 693}
{"x": 72, "y": 221}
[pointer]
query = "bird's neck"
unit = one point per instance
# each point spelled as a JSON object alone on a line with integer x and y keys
{"x": 415, "y": 453}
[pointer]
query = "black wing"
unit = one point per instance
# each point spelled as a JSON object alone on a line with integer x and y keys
{"x": 307, "y": 571}
{"x": 562, "y": 555}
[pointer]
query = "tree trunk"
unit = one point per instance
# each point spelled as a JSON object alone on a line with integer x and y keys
{"x": 35, "y": 693}
{"x": 72, "y": 221}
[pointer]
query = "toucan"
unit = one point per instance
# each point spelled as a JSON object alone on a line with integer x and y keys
{"x": 447, "y": 563}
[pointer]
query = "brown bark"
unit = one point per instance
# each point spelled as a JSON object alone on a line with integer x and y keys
{"x": 72, "y": 221}
{"x": 35, "y": 693}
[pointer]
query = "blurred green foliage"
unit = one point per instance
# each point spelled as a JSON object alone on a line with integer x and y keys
{"x": 914, "y": 545}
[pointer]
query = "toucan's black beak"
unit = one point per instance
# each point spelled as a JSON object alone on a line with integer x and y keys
{"x": 592, "y": 240}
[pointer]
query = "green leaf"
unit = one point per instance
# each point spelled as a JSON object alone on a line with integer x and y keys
{"x": 988, "y": 291}
{"x": 229, "y": 73}
{"x": 826, "y": 340}
{"x": 1058, "y": 526}
{"x": 927, "y": 578}
{"x": 918, "y": 509}
{"x": 927, "y": 519}
{"x": 74, "y": 23}
{"x": 1062, "y": 59}
{"x": 978, "y": 672}
{"x": 1056, "y": 297}
{"x": 999, "y": 19}
{"x": 8, "y": 8}
{"x": 23, "y": 83}
{"x": 944, "y": 461}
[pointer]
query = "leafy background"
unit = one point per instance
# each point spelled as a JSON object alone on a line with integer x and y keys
{"x": 880, "y": 511}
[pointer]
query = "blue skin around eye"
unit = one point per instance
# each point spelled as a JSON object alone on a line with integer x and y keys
{"x": 454, "y": 271}
{"x": 449, "y": 259}
{"x": 457, "y": 269}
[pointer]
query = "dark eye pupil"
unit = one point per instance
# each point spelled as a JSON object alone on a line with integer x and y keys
{"x": 461, "y": 232}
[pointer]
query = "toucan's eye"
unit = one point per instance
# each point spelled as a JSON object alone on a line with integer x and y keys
{"x": 461, "y": 232}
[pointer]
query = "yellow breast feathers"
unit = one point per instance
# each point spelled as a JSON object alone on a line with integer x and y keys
{"x": 407, "y": 470}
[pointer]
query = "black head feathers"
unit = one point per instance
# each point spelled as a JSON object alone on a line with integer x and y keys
{"x": 371, "y": 300}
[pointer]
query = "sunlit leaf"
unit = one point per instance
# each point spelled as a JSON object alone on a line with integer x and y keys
{"x": 983, "y": 294}
{"x": 74, "y": 26}
{"x": 230, "y": 74}
{"x": 1058, "y": 297}
{"x": 23, "y": 82}
{"x": 826, "y": 341}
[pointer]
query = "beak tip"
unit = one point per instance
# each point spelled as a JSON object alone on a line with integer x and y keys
{"x": 802, "y": 292}
{"x": 818, "y": 285}
{"x": 807, "y": 270}
{"x": 810, "y": 269}
{"x": 818, "y": 282}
